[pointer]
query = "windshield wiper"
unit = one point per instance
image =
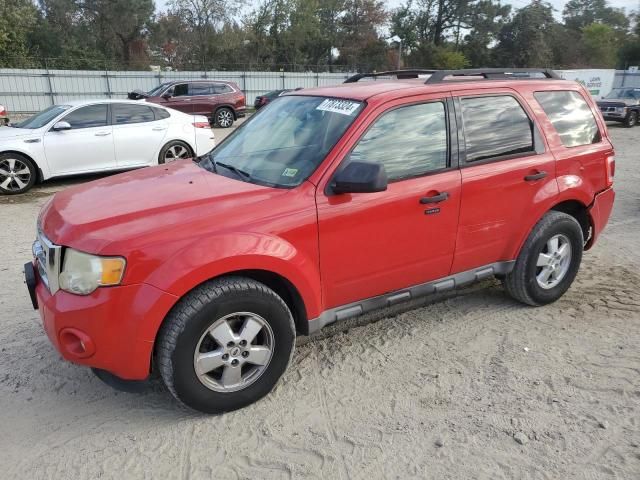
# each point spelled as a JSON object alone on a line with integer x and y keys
{"x": 246, "y": 176}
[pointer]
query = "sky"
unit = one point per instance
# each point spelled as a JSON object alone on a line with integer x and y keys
{"x": 557, "y": 4}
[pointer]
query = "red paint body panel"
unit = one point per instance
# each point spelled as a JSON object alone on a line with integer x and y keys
{"x": 121, "y": 321}
{"x": 179, "y": 225}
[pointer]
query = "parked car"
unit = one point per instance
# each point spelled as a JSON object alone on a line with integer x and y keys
{"x": 262, "y": 100}
{"x": 221, "y": 102}
{"x": 4, "y": 116}
{"x": 96, "y": 136}
{"x": 621, "y": 105}
{"x": 331, "y": 203}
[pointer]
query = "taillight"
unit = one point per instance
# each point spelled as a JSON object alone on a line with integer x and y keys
{"x": 202, "y": 125}
{"x": 611, "y": 169}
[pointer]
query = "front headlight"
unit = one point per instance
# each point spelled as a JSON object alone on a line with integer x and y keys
{"x": 83, "y": 273}
{"x": 621, "y": 109}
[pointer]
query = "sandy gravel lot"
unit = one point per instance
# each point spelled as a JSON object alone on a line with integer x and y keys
{"x": 473, "y": 385}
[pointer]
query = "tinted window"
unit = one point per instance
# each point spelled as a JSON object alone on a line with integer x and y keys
{"x": 180, "y": 90}
{"x": 495, "y": 126}
{"x": 571, "y": 117}
{"x": 408, "y": 141}
{"x": 200, "y": 89}
{"x": 87, "y": 117}
{"x": 222, "y": 88}
{"x": 160, "y": 113}
{"x": 123, "y": 114}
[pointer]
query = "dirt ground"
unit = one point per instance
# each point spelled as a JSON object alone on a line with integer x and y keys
{"x": 473, "y": 385}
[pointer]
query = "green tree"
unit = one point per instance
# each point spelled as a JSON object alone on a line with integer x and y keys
{"x": 599, "y": 44}
{"x": 578, "y": 14}
{"x": 525, "y": 41}
{"x": 17, "y": 19}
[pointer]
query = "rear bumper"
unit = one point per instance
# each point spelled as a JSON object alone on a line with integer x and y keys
{"x": 112, "y": 329}
{"x": 600, "y": 211}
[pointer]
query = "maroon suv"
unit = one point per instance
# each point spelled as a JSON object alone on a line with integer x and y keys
{"x": 221, "y": 102}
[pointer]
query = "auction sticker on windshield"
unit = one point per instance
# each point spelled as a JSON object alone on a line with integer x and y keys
{"x": 344, "y": 107}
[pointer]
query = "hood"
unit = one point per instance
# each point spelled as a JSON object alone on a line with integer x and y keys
{"x": 618, "y": 102}
{"x": 10, "y": 133}
{"x": 147, "y": 203}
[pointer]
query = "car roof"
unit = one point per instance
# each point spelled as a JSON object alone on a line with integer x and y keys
{"x": 78, "y": 103}
{"x": 366, "y": 89}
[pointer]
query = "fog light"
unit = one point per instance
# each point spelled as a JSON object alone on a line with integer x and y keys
{"x": 76, "y": 343}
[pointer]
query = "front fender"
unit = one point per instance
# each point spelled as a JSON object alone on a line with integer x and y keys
{"x": 222, "y": 254}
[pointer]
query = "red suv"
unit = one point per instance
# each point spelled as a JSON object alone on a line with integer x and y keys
{"x": 221, "y": 102}
{"x": 329, "y": 203}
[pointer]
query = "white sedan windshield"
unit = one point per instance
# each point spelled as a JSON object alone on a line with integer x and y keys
{"x": 41, "y": 119}
{"x": 285, "y": 142}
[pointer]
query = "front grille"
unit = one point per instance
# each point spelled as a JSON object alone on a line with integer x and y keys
{"x": 47, "y": 256}
{"x": 607, "y": 109}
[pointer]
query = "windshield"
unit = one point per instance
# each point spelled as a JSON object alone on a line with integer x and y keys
{"x": 285, "y": 142}
{"x": 633, "y": 93}
{"x": 156, "y": 91}
{"x": 41, "y": 119}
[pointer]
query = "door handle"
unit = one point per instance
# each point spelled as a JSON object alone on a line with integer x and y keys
{"x": 535, "y": 176}
{"x": 441, "y": 197}
{"x": 158, "y": 129}
{"x": 102, "y": 134}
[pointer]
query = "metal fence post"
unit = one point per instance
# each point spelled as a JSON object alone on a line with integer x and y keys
{"x": 48, "y": 75}
{"x": 283, "y": 79}
{"x": 106, "y": 77}
{"x": 317, "y": 78}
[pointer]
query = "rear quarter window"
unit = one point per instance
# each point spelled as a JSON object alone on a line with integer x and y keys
{"x": 571, "y": 117}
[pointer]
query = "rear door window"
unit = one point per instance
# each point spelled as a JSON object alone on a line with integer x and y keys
{"x": 571, "y": 117}
{"x": 220, "y": 88}
{"x": 200, "y": 89}
{"x": 495, "y": 126}
{"x": 125, "y": 114}
{"x": 88, "y": 117}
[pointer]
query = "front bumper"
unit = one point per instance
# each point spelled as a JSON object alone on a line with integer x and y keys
{"x": 112, "y": 329}
{"x": 600, "y": 211}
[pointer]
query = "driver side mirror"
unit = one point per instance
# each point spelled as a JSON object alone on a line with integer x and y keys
{"x": 59, "y": 126}
{"x": 360, "y": 177}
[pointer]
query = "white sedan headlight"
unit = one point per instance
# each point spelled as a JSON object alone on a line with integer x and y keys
{"x": 83, "y": 273}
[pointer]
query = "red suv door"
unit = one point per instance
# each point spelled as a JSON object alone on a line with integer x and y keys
{"x": 508, "y": 177}
{"x": 373, "y": 243}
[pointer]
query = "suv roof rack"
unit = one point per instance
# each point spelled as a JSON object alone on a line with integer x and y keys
{"x": 400, "y": 74}
{"x": 493, "y": 74}
{"x": 439, "y": 76}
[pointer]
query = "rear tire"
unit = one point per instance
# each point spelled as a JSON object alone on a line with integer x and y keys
{"x": 225, "y": 344}
{"x": 631, "y": 120}
{"x": 17, "y": 173}
{"x": 174, "y": 150}
{"x": 224, "y": 117}
{"x": 548, "y": 262}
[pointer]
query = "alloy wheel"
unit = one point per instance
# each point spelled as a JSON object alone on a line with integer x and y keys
{"x": 176, "y": 152}
{"x": 553, "y": 262}
{"x": 14, "y": 174}
{"x": 224, "y": 118}
{"x": 234, "y": 352}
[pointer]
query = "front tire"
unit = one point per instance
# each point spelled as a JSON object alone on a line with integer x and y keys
{"x": 224, "y": 117}
{"x": 548, "y": 262}
{"x": 17, "y": 173}
{"x": 225, "y": 345}
{"x": 631, "y": 120}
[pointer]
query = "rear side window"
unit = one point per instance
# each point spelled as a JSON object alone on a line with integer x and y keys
{"x": 88, "y": 117}
{"x": 571, "y": 117}
{"x": 200, "y": 89}
{"x": 160, "y": 113}
{"x": 408, "y": 141}
{"x": 124, "y": 114}
{"x": 222, "y": 88}
{"x": 495, "y": 126}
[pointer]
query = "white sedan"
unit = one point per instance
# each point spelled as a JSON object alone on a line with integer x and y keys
{"x": 97, "y": 136}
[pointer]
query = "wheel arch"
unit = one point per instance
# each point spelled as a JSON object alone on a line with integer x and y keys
{"x": 30, "y": 157}
{"x": 182, "y": 140}
{"x": 580, "y": 212}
